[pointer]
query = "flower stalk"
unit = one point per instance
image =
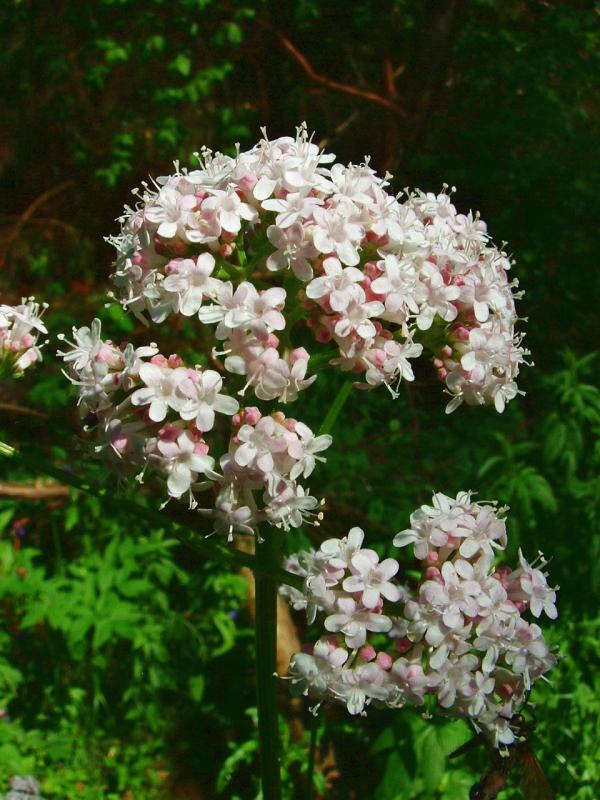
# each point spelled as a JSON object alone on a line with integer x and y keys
{"x": 268, "y": 557}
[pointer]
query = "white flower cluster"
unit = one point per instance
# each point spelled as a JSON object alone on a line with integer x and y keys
{"x": 23, "y": 788}
{"x": 154, "y": 412}
{"x": 459, "y": 636}
{"x": 20, "y": 327}
{"x": 380, "y": 277}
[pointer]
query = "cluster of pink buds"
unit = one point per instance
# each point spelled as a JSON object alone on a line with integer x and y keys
{"x": 20, "y": 327}
{"x": 155, "y": 413}
{"x": 380, "y": 277}
{"x": 457, "y": 641}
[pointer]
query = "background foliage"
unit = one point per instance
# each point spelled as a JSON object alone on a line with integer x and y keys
{"x": 125, "y": 660}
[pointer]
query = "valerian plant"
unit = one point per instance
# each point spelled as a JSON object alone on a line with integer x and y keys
{"x": 292, "y": 261}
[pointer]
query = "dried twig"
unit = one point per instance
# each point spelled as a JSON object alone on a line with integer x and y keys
{"x": 33, "y": 491}
{"x": 365, "y": 94}
{"x": 28, "y": 213}
{"x": 14, "y": 408}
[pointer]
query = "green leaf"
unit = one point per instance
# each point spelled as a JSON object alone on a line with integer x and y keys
{"x": 181, "y": 64}
{"x": 196, "y": 685}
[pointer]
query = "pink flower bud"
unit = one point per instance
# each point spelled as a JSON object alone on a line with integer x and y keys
{"x": 248, "y": 182}
{"x": 367, "y": 653}
{"x": 323, "y": 336}
{"x": 384, "y": 660}
{"x": 299, "y": 354}
{"x": 179, "y": 248}
{"x": 169, "y": 432}
{"x": 159, "y": 360}
{"x": 251, "y": 415}
{"x": 433, "y": 574}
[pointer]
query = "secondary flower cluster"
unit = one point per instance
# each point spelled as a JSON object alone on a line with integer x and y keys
{"x": 156, "y": 413}
{"x": 23, "y": 788}
{"x": 459, "y": 635}
{"x": 378, "y": 276}
{"x": 20, "y": 327}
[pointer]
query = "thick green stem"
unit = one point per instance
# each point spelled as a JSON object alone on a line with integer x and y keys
{"x": 312, "y": 752}
{"x": 336, "y": 407}
{"x": 267, "y": 555}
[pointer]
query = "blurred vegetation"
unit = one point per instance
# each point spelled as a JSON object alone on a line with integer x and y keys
{"x": 125, "y": 660}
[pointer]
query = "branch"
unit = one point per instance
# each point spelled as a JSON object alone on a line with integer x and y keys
{"x": 177, "y": 519}
{"x": 17, "y": 409}
{"x": 29, "y": 212}
{"x": 33, "y": 491}
{"x": 365, "y": 94}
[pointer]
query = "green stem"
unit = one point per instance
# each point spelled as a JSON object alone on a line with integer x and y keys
{"x": 312, "y": 752}
{"x": 241, "y": 253}
{"x": 337, "y": 405}
{"x": 267, "y": 554}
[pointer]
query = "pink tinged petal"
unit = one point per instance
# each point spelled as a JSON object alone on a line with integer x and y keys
{"x": 452, "y": 618}
{"x": 158, "y": 410}
{"x": 338, "y": 657}
{"x": 150, "y": 374}
{"x": 365, "y": 329}
{"x": 379, "y": 623}
{"x": 205, "y": 417}
{"x": 347, "y": 253}
{"x": 469, "y": 547}
{"x": 405, "y": 537}
{"x": 390, "y": 592}
{"x": 323, "y": 242}
{"x": 363, "y": 563}
{"x": 438, "y": 658}
{"x": 245, "y": 454}
{"x": 264, "y": 188}
{"x": 274, "y": 319}
{"x": 446, "y": 695}
{"x": 335, "y": 622}
{"x": 167, "y": 229}
{"x": 274, "y": 297}
{"x": 464, "y": 569}
{"x": 370, "y": 597}
{"x": 354, "y": 583}
{"x": 225, "y": 404}
{"x": 142, "y": 397}
{"x": 179, "y": 480}
{"x": 265, "y": 463}
{"x": 355, "y": 537}
{"x": 388, "y": 568}
{"x": 201, "y": 463}
{"x": 302, "y": 269}
{"x": 211, "y": 380}
{"x": 192, "y": 302}
{"x": 230, "y": 221}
